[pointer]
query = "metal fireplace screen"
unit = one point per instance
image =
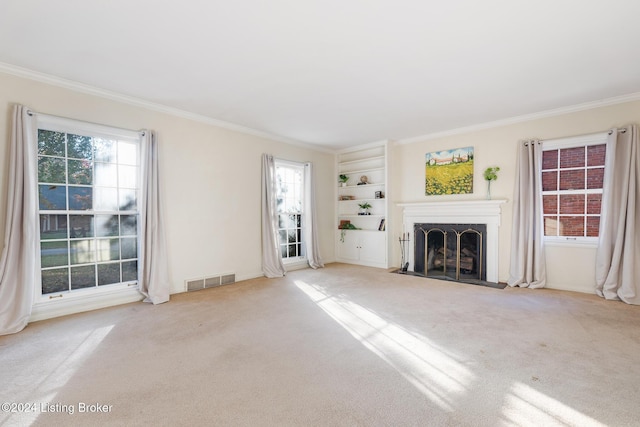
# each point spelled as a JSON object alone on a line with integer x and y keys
{"x": 452, "y": 251}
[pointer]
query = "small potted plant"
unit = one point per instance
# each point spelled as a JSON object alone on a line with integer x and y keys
{"x": 364, "y": 208}
{"x": 343, "y": 179}
{"x": 490, "y": 174}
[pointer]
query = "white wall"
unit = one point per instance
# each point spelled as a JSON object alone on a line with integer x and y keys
{"x": 210, "y": 178}
{"x": 570, "y": 268}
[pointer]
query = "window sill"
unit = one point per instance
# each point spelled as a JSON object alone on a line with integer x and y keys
{"x": 589, "y": 242}
{"x": 78, "y": 302}
{"x": 296, "y": 264}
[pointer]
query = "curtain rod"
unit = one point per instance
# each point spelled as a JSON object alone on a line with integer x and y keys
{"x": 32, "y": 113}
{"x": 609, "y": 132}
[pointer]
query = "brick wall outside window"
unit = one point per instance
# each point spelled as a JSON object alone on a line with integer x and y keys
{"x": 572, "y": 190}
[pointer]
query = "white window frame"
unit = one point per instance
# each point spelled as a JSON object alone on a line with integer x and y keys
{"x": 67, "y": 302}
{"x": 573, "y": 142}
{"x": 302, "y": 258}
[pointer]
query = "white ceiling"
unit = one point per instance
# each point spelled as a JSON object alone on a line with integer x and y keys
{"x": 336, "y": 72}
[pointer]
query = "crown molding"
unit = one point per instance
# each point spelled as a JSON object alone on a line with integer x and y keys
{"x": 138, "y": 102}
{"x": 524, "y": 118}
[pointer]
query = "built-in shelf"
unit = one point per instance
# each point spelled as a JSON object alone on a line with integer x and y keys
{"x": 367, "y": 244}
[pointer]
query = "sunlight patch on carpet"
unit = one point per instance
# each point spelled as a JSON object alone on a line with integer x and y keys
{"x": 44, "y": 393}
{"x": 525, "y": 406}
{"x": 427, "y": 367}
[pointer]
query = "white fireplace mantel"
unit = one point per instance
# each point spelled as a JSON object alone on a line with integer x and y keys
{"x": 458, "y": 212}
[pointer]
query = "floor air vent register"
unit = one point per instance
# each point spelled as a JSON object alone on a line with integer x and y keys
{"x": 209, "y": 282}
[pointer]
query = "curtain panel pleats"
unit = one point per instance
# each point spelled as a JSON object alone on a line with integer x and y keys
{"x": 618, "y": 254}
{"x": 21, "y": 252}
{"x": 272, "y": 265}
{"x": 310, "y": 228}
{"x": 527, "y": 268}
{"x": 154, "y": 276}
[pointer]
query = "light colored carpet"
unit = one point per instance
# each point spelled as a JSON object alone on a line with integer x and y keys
{"x": 340, "y": 346}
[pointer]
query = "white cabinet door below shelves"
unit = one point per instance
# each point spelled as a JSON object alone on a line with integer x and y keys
{"x": 363, "y": 247}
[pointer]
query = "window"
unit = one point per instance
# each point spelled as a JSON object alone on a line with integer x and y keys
{"x": 289, "y": 201}
{"x": 88, "y": 181}
{"x": 572, "y": 177}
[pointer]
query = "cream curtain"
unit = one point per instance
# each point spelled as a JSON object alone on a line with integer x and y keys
{"x": 20, "y": 256}
{"x": 618, "y": 255}
{"x": 155, "y": 284}
{"x": 272, "y": 265}
{"x": 310, "y": 229}
{"x": 527, "y": 237}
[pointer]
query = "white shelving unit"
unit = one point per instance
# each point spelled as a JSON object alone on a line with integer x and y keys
{"x": 367, "y": 243}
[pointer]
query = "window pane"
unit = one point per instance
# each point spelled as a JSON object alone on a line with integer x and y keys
{"x": 53, "y": 227}
{"x": 129, "y": 248}
{"x": 595, "y": 178}
{"x": 572, "y": 204}
{"x": 292, "y": 236}
{"x": 51, "y": 143}
{"x": 594, "y": 201}
{"x": 596, "y": 155}
{"x": 79, "y": 147}
{"x": 550, "y": 159}
{"x": 128, "y": 176}
{"x": 551, "y": 226}
{"x": 293, "y": 250}
{"x": 56, "y": 280}
{"x": 593, "y": 226}
{"x": 128, "y": 200}
{"x": 105, "y": 199}
{"x": 549, "y": 181}
{"x": 130, "y": 271}
{"x": 550, "y": 204}
{"x": 282, "y": 236}
{"x": 128, "y": 225}
{"x": 572, "y": 226}
{"x": 108, "y": 274}
{"x": 51, "y": 170}
{"x": 572, "y": 179}
{"x": 53, "y": 254}
{"x": 107, "y": 225}
{"x": 83, "y": 251}
{"x": 572, "y": 157}
{"x": 283, "y": 250}
{"x": 104, "y": 150}
{"x": 83, "y": 277}
{"x": 52, "y": 197}
{"x": 106, "y": 175}
{"x": 108, "y": 250}
{"x": 80, "y": 172}
{"x": 81, "y": 225}
{"x": 80, "y": 198}
{"x": 127, "y": 153}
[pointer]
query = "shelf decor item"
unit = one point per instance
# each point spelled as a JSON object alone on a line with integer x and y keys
{"x": 364, "y": 208}
{"x": 343, "y": 179}
{"x": 490, "y": 174}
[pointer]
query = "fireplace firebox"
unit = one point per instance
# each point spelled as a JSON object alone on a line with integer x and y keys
{"x": 450, "y": 251}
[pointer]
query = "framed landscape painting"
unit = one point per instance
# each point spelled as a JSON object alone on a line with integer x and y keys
{"x": 449, "y": 172}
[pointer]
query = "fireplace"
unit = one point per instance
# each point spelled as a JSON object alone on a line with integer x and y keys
{"x": 483, "y": 216}
{"x": 453, "y": 251}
